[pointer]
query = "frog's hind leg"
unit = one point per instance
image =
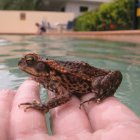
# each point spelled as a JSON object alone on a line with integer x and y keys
{"x": 105, "y": 86}
{"x": 87, "y": 101}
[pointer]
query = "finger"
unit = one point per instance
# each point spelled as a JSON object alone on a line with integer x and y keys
{"x": 6, "y": 98}
{"x": 109, "y": 112}
{"x": 29, "y": 122}
{"x": 68, "y": 119}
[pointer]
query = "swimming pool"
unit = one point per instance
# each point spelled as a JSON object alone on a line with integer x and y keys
{"x": 103, "y": 54}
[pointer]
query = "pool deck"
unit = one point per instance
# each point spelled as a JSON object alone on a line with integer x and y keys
{"x": 130, "y": 36}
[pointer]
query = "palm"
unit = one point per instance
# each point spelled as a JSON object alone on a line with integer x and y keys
{"x": 108, "y": 120}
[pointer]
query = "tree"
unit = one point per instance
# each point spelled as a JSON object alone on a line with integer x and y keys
{"x": 86, "y": 22}
{"x": 23, "y": 4}
{"x": 115, "y": 15}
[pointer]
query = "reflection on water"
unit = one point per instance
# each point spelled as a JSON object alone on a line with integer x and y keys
{"x": 110, "y": 55}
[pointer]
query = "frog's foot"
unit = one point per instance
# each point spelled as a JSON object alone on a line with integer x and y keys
{"x": 35, "y": 105}
{"x": 97, "y": 100}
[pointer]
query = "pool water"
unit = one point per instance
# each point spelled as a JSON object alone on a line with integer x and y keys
{"x": 103, "y": 54}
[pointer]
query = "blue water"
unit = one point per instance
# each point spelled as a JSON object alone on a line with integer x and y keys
{"x": 103, "y": 54}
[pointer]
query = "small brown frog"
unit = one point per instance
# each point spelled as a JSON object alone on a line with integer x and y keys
{"x": 67, "y": 78}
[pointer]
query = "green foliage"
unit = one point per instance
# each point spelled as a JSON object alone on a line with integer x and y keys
{"x": 110, "y": 16}
{"x": 86, "y": 22}
{"x": 23, "y": 4}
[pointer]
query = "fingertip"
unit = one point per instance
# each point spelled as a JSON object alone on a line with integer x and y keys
{"x": 30, "y": 83}
{"x": 69, "y": 119}
{"x": 6, "y": 99}
{"x": 108, "y": 112}
{"x": 7, "y": 93}
{"x": 28, "y": 90}
{"x": 31, "y": 121}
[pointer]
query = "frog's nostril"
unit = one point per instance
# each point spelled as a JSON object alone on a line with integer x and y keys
{"x": 19, "y": 62}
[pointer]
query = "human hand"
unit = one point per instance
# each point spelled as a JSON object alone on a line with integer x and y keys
{"x": 110, "y": 120}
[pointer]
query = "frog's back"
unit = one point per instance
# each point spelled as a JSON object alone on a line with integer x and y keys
{"x": 81, "y": 69}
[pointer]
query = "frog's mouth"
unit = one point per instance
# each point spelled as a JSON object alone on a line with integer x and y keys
{"x": 33, "y": 72}
{"x": 30, "y": 71}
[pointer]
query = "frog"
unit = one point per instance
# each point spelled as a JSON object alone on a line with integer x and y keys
{"x": 68, "y": 78}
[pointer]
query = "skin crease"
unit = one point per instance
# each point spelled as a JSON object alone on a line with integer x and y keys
{"x": 110, "y": 120}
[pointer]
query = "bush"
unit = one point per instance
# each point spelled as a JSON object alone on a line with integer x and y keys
{"x": 86, "y": 22}
{"x": 110, "y": 16}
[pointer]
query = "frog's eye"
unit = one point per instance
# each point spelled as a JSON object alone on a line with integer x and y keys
{"x": 30, "y": 59}
{"x": 40, "y": 66}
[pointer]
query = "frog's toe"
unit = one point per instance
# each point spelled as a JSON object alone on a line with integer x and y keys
{"x": 87, "y": 101}
{"x": 34, "y": 105}
{"x": 81, "y": 104}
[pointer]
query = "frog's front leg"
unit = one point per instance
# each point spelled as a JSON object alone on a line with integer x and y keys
{"x": 105, "y": 86}
{"x": 58, "y": 100}
{"x": 35, "y": 105}
{"x": 52, "y": 103}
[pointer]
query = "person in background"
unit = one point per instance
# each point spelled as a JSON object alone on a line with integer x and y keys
{"x": 42, "y": 28}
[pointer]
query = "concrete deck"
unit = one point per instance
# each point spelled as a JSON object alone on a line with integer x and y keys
{"x": 131, "y": 36}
